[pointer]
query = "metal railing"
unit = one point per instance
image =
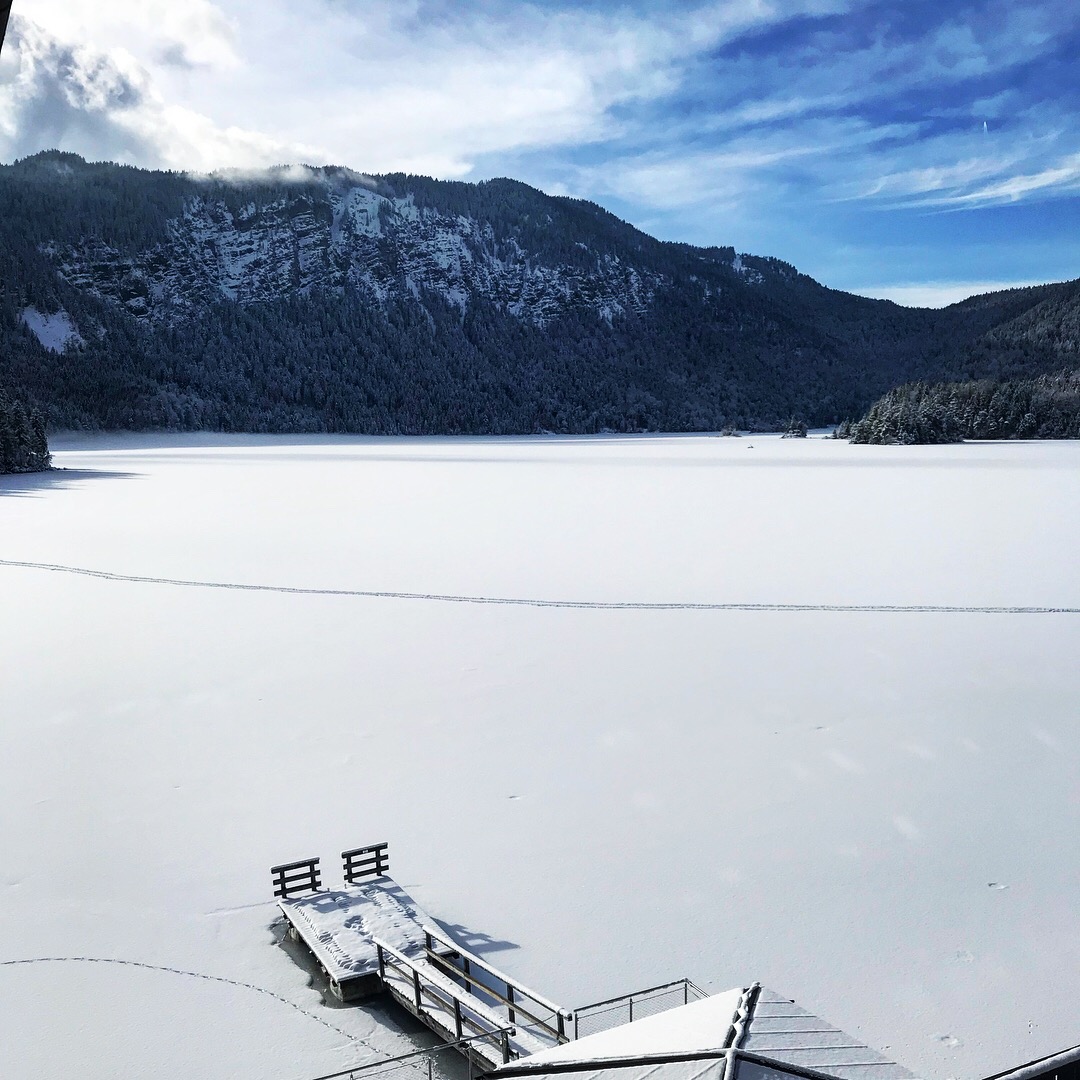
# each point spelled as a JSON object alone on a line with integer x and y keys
{"x": 461, "y": 1015}
{"x": 624, "y": 1009}
{"x": 522, "y": 1005}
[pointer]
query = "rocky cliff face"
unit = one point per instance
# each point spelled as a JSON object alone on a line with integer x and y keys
{"x": 335, "y": 235}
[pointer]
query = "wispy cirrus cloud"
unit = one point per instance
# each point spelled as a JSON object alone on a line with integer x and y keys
{"x": 985, "y": 181}
{"x": 746, "y": 165}
{"x": 943, "y": 83}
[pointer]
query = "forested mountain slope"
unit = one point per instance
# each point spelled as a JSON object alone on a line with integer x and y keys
{"x": 319, "y": 299}
{"x": 1042, "y": 407}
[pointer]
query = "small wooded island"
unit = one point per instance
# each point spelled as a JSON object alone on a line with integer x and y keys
{"x": 23, "y": 443}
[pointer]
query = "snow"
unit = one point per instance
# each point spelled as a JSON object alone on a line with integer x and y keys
{"x": 690, "y": 1069}
{"x": 340, "y": 925}
{"x": 361, "y": 206}
{"x": 874, "y": 812}
{"x": 748, "y": 273}
{"x": 780, "y": 1031}
{"x": 701, "y": 1025}
{"x": 759, "y": 1022}
{"x": 56, "y": 331}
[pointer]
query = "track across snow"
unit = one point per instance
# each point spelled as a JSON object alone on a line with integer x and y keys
{"x": 518, "y": 601}
{"x": 192, "y": 975}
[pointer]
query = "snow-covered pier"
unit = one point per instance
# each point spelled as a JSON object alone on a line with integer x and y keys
{"x": 340, "y": 927}
{"x": 371, "y": 937}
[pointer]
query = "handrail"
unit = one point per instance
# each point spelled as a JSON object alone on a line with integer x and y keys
{"x": 513, "y": 1005}
{"x": 642, "y": 993}
{"x": 1040, "y": 1066}
{"x": 438, "y": 935}
{"x": 433, "y": 989}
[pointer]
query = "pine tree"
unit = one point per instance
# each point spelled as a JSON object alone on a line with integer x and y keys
{"x": 23, "y": 444}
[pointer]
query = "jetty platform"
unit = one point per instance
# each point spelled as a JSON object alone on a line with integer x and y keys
{"x": 340, "y": 928}
{"x": 370, "y": 937}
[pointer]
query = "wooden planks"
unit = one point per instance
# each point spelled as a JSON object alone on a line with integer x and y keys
{"x": 296, "y": 877}
{"x": 370, "y": 861}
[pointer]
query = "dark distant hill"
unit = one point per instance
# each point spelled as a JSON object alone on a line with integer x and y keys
{"x": 322, "y": 300}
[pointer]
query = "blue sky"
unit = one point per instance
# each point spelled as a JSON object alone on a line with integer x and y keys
{"x": 915, "y": 150}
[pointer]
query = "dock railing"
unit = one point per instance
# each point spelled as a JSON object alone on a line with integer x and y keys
{"x": 296, "y": 877}
{"x": 601, "y": 1015}
{"x": 361, "y": 862}
{"x": 463, "y": 1017}
{"x": 523, "y": 1006}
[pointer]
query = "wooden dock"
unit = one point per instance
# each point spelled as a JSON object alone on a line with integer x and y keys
{"x": 340, "y": 927}
{"x": 371, "y": 937}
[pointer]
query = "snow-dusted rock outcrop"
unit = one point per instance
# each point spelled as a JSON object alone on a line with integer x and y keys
{"x": 336, "y": 236}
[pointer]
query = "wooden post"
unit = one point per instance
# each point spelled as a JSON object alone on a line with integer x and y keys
{"x": 560, "y": 1023}
{"x": 631, "y": 1010}
{"x": 457, "y": 1016}
{"x": 465, "y": 966}
{"x": 505, "y": 1047}
{"x": 510, "y": 998}
{"x": 416, "y": 990}
{"x": 382, "y": 962}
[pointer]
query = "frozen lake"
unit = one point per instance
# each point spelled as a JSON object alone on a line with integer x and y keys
{"x": 873, "y": 812}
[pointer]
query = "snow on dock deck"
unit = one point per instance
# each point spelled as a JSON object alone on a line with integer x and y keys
{"x": 339, "y": 927}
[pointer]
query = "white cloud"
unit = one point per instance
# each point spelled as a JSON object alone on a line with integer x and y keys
{"x": 430, "y": 87}
{"x": 1063, "y": 175}
{"x": 832, "y": 76}
{"x": 967, "y": 169}
{"x": 105, "y": 105}
{"x": 747, "y": 163}
{"x": 387, "y": 85}
{"x": 195, "y": 33}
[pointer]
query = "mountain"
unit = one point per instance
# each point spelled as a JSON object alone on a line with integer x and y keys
{"x": 320, "y": 299}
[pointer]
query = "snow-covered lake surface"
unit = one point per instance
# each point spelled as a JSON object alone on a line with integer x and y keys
{"x": 874, "y": 812}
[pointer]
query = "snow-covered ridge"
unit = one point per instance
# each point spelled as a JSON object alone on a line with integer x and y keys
{"x": 347, "y": 237}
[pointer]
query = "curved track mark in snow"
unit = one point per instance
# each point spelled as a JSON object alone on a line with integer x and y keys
{"x": 192, "y": 975}
{"x": 514, "y": 601}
